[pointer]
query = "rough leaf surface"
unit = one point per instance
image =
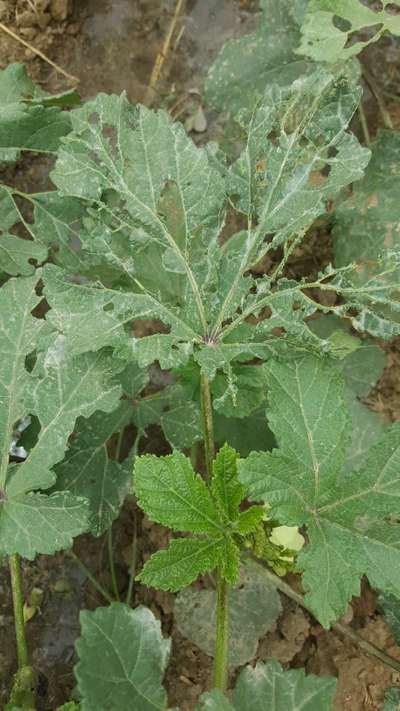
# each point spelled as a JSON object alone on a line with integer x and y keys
{"x": 267, "y": 686}
{"x": 348, "y": 516}
{"x": 122, "y": 660}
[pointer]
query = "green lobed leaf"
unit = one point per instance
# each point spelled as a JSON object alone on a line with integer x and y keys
{"x": 30, "y": 119}
{"x": 152, "y": 214}
{"x": 349, "y": 520}
{"x": 56, "y": 392}
{"x": 307, "y": 414}
{"x": 87, "y": 469}
{"x": 275, "y": 177}
{"x": 138, "y": 166}
{"x": 36, "y": 523}
{"x": 330, "y": 24}
{"x": 254, "y": 607}
{"x": 170, "y": 493}
{"x": 181, "y": 563}
{"x": 122, "y": 660}
{"x": 16, "y": 253}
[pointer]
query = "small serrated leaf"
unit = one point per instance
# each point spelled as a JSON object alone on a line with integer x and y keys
{"x": 170, "y": 492}
{"x": 225, "y": 485}
{"x": 181, "y": 563}
{"x": 249, "y": 520}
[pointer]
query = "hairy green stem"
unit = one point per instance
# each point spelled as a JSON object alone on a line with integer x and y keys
{"x": 18, "y": 603}
{"x": 111, "y": 564}
{"x": 208, "y": 424}
{"x": 221, "y": 659}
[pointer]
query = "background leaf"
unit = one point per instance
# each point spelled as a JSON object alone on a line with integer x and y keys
{"x": 122, "y": 659}
{"x": 87, "y": 470}
{"x": 254, "y": 608}
{"x": 245, "y": 66}
{"x": 367, "y": 222}
{"x": 268, "y": 686}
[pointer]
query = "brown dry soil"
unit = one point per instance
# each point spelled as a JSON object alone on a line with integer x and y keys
{"x": 111, "y": 45}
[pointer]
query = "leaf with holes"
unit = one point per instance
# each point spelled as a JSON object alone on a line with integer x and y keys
{"x": 158, "y": 208}
{"x": 56, "y": 392}
{"x": 329, "y": 25}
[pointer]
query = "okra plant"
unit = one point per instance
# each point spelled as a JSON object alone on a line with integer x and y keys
{"x": 150, "y": 250}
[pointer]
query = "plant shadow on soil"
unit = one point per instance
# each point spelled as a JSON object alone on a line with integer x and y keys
{"x": 111, "y": 46}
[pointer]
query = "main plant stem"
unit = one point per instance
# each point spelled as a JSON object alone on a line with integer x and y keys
{"x": 208, "y": 424}
{"x": 18, "y": 603}
{"x": 221, "y": 657}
